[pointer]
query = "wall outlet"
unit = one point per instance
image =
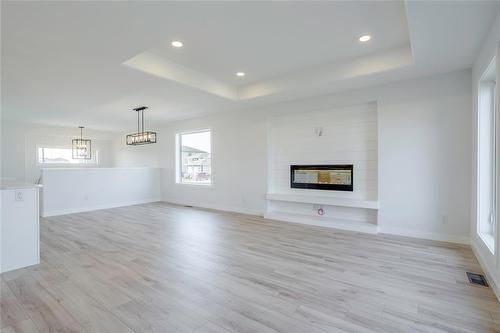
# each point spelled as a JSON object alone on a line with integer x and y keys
{"x": 19, "y": 195}
{"x": 318, "y": 131}
{"x": 319, "y": 210}
{"x": 444, "y": 219}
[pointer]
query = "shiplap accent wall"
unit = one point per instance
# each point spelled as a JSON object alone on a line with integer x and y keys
{"x": 349, "y": 137}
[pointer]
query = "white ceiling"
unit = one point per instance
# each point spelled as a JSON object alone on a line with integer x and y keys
{"x": 266, "y": 40}
{"x": 90, "y": 63}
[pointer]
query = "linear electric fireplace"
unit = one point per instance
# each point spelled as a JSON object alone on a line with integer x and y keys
{"x": 336, "y": 177}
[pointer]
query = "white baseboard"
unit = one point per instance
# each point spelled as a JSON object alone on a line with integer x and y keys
{"x": 493, "y": 280}
{"x": 233, "y": 209}
{"x": 424, "y": 235}
{"x": 97, "y": 207}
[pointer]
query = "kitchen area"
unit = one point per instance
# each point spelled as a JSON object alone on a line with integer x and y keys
{"x": 20, "y": 225}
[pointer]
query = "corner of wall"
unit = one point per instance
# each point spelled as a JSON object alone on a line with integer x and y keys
{"x": 493, "y": 279}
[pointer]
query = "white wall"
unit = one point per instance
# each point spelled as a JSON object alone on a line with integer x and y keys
{"x": 83, "y": 189}
{"x": 489, "y": 261}
{"x": 424, "y": 155}
{"x": 239, "y": 163}
{"x": 424, "y": 159}
{"x": 134, "y": 156}
{"x": 20, "y": 141}
{"x": 103, "y": 186}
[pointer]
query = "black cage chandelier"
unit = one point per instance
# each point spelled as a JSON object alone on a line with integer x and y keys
{"x": 81, "y": 148}
{"x": 141, "y": 137}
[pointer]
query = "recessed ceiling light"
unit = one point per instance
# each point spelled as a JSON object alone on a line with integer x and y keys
{"x": 365, "y": 38}
{"x": 177, "y": 43}
{"x": 240, "y": 74}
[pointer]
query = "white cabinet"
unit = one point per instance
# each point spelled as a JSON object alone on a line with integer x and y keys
{"x": 19, "y": 226}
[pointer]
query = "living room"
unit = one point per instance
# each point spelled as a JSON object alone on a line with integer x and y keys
{"x": 250, "y": 166}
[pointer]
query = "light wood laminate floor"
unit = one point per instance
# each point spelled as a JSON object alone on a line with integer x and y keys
{"x": 166, "y": 268}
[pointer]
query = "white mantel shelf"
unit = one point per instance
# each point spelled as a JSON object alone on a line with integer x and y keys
{"x": 323, "y": 200}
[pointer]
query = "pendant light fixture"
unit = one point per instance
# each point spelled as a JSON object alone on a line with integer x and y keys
{"x": 141, "y": 137}
{"x": 81, "y": 148}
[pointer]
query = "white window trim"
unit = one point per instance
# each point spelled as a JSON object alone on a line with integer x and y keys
{"x": 66, "y": 165}
{"x": 487, "y": 239}
{"x": 495, "y": 165}
{"x": 178, "y": 160}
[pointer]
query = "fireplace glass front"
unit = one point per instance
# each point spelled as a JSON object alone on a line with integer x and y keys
{"x": 336, "y": 177}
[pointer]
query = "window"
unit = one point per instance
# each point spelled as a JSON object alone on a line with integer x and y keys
{"x": 486, "y": 177}
{"x": 194, "y": 158}
{"x": 62, "y": 156}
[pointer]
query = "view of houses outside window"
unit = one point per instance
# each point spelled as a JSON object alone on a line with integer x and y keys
{"x": 196, "y": 158}
{"x": 59, "y": 155}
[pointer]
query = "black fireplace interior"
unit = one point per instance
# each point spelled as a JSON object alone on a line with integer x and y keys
{"x": 334, "y": 177}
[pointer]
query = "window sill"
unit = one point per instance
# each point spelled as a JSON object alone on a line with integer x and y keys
{"x": 489, "y": 241}
{"x": 66, "y": 165}
{"x": 195, "y": 185}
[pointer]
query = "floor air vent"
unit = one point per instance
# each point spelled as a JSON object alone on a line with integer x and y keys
{"x": 475, "y": 278}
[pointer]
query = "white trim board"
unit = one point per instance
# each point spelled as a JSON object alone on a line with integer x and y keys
{"x": 98, "y": 207}
{"x": 494, "y": 283}
{"x": 425, "y": 235}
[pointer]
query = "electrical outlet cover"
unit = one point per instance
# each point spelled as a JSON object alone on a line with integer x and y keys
{"x": 19, "y": 196}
